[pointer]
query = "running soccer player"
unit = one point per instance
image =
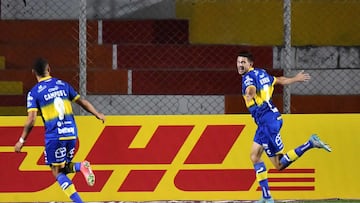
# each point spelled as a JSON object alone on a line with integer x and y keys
{"x": 257, "y": 90}
{"x": 52, "y": 97}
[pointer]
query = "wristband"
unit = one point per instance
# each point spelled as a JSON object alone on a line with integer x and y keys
{"x": 21, "y": 140}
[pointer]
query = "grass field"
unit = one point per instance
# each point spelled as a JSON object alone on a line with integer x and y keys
{"x": 337, "y": 201}
{"x": 318, "y": 201}
{"x": 276, "y": 201}
{"x": 287, "y": 201}
{"x": 301, "y": 201}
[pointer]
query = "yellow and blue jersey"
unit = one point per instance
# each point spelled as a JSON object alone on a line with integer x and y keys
{"x": 52, "y": 98}
{"x": 261, "y": 106}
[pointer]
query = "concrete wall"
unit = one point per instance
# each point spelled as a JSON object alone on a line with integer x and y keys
{"x": 104, "y": 9}
{"x": 334, "y": 70}
{"x": 157, "y": 105}
{"x": 313, "y": 22}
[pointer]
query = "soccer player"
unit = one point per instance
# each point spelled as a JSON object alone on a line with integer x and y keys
{"x": 52, "y": 98}
{"x": 257, "y": 90}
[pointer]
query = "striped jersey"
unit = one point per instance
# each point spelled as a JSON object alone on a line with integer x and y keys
{"x": 52, "y": 98}
{"x": 261, "y": 106}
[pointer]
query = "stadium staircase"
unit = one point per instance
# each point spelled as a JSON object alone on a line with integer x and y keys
{"x": 159, "y": 54}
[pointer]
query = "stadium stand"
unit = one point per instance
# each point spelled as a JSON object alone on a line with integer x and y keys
{"x": 160, "y": 49}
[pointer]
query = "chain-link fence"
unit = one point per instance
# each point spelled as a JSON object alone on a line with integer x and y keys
{"x": 179, "y": 56}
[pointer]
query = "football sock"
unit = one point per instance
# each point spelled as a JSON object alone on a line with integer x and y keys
{"x": 294, "y": 154}
{"x": 261, "y": 177}
{"x": 68, "y": 187}
{"x": 77, "y": 166}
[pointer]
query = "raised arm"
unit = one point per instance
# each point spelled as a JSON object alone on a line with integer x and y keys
{"x": 300, "y": 77}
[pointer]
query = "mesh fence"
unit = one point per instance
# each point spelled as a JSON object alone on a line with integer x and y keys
{"x": 176, "y": 57}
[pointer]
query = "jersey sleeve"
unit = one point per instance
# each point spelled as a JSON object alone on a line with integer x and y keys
{"x": 248, "y": 81}
{"x": 274, "y": 80}
{"x": 73, "y": 94}
{"x": 31, "y": 103}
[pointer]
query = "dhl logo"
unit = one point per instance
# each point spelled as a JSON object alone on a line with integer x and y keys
{"x": 202, "y": 168}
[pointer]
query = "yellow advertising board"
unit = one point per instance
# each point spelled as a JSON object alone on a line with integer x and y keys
{"x": 183, "y": 157}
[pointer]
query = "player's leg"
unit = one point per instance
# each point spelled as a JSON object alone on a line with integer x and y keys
{"x": 83, "y": 167}
{"x": 274, "y": 144}
{"x": 280, "y": 160}
{"x": 55, "y": 156}
{"x": 66, "y": 184}
{"x": 259, "y": 166}
{"x": 294, "y": 154}
{"x": 268, "y": 137}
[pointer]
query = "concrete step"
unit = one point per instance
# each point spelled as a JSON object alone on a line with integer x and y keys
{"x": 98, "y": 81}
{"x": 45, "y": 31}
{"x": 168, "y": 31}
{"x": 172, "y": 56}
{"x": 189, "y": 82}
{"x": 13, "y": 111}
{"x": 60, "y": 56}
{"x": 2, "y": 62}
{"x": 11, "y": 87}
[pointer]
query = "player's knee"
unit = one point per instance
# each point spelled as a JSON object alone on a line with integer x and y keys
{"x": 254, "y": 158}
{"x": 279, "y": 166}
{"x": 56, "y": 170}
{"x": 277, "y": 163}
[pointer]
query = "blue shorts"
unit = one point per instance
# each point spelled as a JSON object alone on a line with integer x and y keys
{"x": 268, "y": 135}
{"x": 59, "y": 151}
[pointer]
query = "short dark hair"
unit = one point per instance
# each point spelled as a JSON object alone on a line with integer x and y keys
{"x": 247, "y": 55}
{"x": 40, "y": 66}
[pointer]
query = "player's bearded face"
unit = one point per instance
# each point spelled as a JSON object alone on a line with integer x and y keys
{"x": 243, "y": 65}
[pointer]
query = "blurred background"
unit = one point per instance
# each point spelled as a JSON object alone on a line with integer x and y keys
{"x": 149, "y": 57}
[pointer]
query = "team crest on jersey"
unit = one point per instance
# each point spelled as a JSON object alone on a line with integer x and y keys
{"x": 41, "y": 88}
{"x": 248, "y": 81}
{"x": 60, "y": 82}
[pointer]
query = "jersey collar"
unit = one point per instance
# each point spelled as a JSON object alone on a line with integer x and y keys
{"x": 44, "y": 78}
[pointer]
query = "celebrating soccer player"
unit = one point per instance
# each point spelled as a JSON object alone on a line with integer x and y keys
{"x": 52, "y": 97}
{"x": 257, "y": 90}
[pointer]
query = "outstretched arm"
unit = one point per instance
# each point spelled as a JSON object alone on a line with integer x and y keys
{"x": 300, "y": 77}
{"x": 85, "y": 104}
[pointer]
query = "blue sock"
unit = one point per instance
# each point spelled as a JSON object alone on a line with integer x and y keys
{"x": 68, "y": 187}
{"x": 294, "y": 154}
{"x": 303, "y": 148}
{"x": 77, "y": 166}
{"x": 261, "y": 176}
